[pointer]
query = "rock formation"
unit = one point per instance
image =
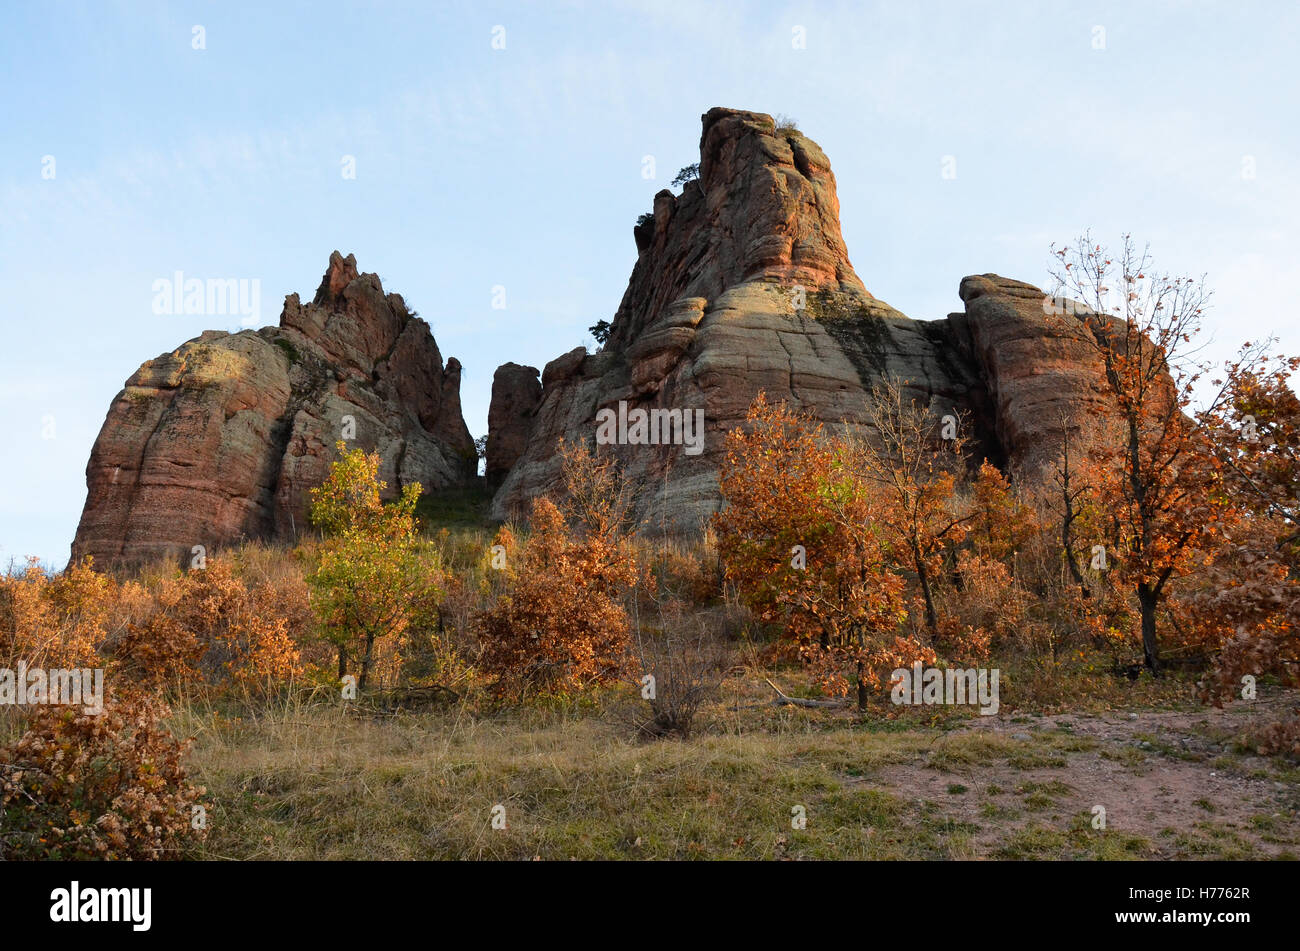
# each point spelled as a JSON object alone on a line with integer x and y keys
{"x": 743, "y": 284}
{"x": 222, "y": 438}
{"x": 516, "y": 393}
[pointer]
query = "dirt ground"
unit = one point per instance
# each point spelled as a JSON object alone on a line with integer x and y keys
{"x": 1179, "y": 780}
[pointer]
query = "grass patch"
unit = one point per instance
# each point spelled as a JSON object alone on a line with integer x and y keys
{"x": 317, "y": 783}
{"x": 1079, "y": 841}
{"x": 465, "y": 507}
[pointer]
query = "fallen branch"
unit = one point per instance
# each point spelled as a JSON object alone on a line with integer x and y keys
{"x": 781, "y": 699}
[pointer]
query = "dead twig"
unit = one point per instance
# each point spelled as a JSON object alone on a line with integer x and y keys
{"x": 781, "y": 699}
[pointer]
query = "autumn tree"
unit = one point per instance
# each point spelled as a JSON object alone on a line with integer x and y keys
{"x": 370, "y": 581}
{"x": 852, "y": 597}
{"x": 1254, "y": 589}
{"x": 798, "y": 537}
{"x": 910, "y": 458}
{"x": 773, "y": 517}
{"x": 999, "y": 521}
{"x": 1161, "y": 488}
{"x": 1255, "y": 429}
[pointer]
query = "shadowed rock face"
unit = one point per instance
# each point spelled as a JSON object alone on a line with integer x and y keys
{"x": 222, "y": 438}
{"x": 743, "y": 284}
{"x": 516, "y": 392}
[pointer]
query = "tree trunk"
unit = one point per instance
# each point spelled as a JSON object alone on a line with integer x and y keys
{"x": 862, "y": 688}
{"x": 1148, "y": 599}
{"x": 343, "y": 663}
{"x": 365, "y": 662}
{"x": 1075, "y": 573}
{"x": 931, "y": 619}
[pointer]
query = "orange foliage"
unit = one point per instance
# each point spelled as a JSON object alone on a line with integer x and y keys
{"x": 209, "y": 627}
{"x": 54, "y": 622}
{"x": 798, "y": 536}
{"x": 557, "y": 623}
{"x": 1162, "y": 487}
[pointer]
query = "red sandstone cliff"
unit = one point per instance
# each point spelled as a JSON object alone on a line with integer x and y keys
{"x": 220, "y": 439}
{"x": 743, "y": 283}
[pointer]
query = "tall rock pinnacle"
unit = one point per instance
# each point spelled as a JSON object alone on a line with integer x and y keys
{"x": 743, "y": 284}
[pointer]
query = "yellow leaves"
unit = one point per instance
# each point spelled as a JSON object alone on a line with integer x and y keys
{"x": 350, "y": 496}
{"x": 54, "y": 622}
{"x": 370, "y": 577}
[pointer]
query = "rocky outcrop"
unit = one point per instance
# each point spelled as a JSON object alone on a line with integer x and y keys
{"x": 743, "y": 284}
{"x": 222, "y": 438}
{"x": 516, "y": 393}
{"x": 1041, "y": 372}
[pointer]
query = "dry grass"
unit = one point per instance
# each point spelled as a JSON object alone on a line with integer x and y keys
{"x": 319, "y": 782}
{"x": 310, "y": 779}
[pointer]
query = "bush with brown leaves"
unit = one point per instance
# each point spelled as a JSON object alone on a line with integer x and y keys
{"x": 211, "y": 629}
{"x": 57, "y": 621}
{"x": 112, "y": 786}
{"x": 556, "y": 623}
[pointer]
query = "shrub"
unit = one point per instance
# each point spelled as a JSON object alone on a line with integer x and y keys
{"x": 556, "y": 620}
{"x": 54, "y": 622}
{"x": 209, "y": 627}
{"x": 687, "y": 665}
{"x": 557, "y": 623}
{"x": 77, "y": 786}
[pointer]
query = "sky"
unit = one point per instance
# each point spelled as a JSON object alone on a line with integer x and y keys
{"x": 504, "y": 145}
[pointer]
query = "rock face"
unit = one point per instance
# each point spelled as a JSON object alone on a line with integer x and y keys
{"x": 222, "y": 438}
{"x": 743, "y": 284}
{"x": 516, "y": 394}
{"x": 1041, "y": 373}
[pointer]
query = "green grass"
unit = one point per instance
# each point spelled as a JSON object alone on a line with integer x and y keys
{"x": 329, "y": 786}
{"x": 1079, "y": 841}
{"x": 1210, "y": 840}
{"x": 318, "y": 782}
{"x": 466, "y": 507}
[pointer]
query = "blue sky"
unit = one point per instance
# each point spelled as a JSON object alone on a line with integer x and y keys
{"x": 522, "y": 167}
